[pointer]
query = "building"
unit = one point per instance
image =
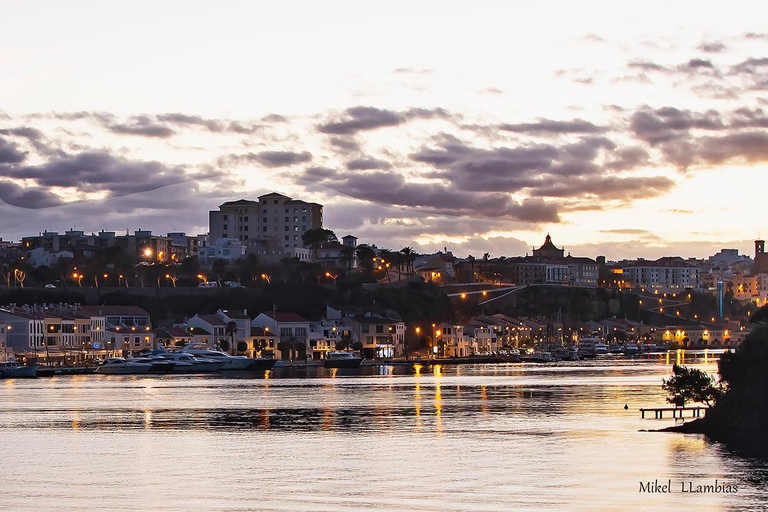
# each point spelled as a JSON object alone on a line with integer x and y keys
{"x": 290, "y": 327}
{"x": 668, "y": 273}
{"x": 225, "y": 249}
{"x": 272, "y": 215}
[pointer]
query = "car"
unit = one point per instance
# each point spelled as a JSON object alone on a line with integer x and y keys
{"x": 49, "y": 285}
{"x": 209, "y": 284}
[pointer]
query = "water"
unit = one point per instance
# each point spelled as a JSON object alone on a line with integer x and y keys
{"x": 464, "y": 438}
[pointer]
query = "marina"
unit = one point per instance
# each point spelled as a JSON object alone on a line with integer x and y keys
{"x": 435, "y": 437}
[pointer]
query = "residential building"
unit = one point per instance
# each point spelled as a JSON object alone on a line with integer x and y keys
{"x": 288, "y": 326}
{"x": 272, "y": 215}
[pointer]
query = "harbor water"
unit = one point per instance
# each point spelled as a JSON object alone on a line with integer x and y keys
{"x": 445, "y": 438}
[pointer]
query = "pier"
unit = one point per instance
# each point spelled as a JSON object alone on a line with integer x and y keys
{"x": 659, "y": 411}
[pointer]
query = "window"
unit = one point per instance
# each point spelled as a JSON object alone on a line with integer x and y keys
{"x": 286, "y": 219}
{"x": 286, "y": 211}
{"x": 379, "y": 329}
{"x": 275, "y": 201}
{"x": 295, "y": 228}
{"x": 264, "y": 229}
{"x": 295, "y": 219}
{"x": 286, "y": 238}
{"x": 246, "y": 228}
{"x": 303, "y": 210}
{"x": 264, "y": 210}
{"x": 303, "y": 228}
{"x": 136, "y": 341}
{"x": 303, "y": 218}
{"x": 224, "y": 227}
{"x": 246, "y": 219}
{"x": 365, "y": 329}
{"x": 225, "y": 217}
{"x": 264, "y": 220}
{"x": 286, "y": 228}
{"x": 225, "y": 236}
{"x": 295, "y": 237}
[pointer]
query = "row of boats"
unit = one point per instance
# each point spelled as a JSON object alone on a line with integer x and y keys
{"x": 589, "y": 348}
{"x": 195, "y": 358}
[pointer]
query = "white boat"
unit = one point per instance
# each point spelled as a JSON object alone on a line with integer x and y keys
{"x": 187, "y": 363}
{"x": 15, "y": 370}
{"x": 228, "y": 362}
{"x": 159, "y": 365}
{"x": 540, "y": 357}
{"x": 120, "y": 366}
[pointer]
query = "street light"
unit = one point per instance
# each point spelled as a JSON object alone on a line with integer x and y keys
{"x": 332, "y": 276}
{"x": 78, "y": 277}
{"x": 172, "y": 278}
{"x": 202, "y": 278}
{"x": 267, "y": 278}
{"x": 105, "y": 279}
{"x": 147, "y": 252}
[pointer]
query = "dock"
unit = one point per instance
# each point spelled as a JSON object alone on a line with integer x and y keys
{"x": 659, "y": 411}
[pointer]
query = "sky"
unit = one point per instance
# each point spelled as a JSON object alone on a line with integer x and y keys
{"x": 624, "y": 130}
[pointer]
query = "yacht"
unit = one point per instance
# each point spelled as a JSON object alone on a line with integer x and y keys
{"x": 120, "y": 366}
{"x": 540, "y": 357}
{"x": 343, "y": 360}
{"x": 188, "y": 363}
{"x": 159, "y": 365}
{"x": 15, "y": 370}
{"x": 229, "y": 362}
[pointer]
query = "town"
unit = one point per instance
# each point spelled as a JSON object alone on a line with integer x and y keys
{"x": 268, "y": 280}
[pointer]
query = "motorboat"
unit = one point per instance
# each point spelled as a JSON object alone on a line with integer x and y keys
{"x": 631, "y": 349}
{"x": 159, "y": 365}
{"x": 343, "y": 360}
{"x": 228, "y": 362}
{"x": 188, "y": 363}
{"x": 16, "y": 370}
{"x": 120, "y": 366}
{"x": 540, "y": 357}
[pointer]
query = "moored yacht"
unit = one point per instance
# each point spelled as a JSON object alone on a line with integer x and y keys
{"x": 187, "y": 363}
{"x": 228, "y": 362}
{"x": 343, "y": 360}
{"x": 120, "y": 366}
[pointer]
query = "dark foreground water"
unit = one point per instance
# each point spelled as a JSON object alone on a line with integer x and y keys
{"x": 497, "y": 438}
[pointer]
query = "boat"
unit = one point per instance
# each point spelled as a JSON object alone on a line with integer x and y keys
{"x": 540, "y": 357}
{"x": 187, "y": 363}
{"x": 228, "y": 362}
{"x": 16, "y": 370}
{"x": 631, "y": 349}
{"x": 263, "y": 363}
{"x": 120, "y": 366}
{"x": 159, "y": 365}
{"x": 342, "y": 360}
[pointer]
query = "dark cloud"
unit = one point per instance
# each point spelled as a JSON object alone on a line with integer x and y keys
{"x": 361, "y": 118}
{"x": 345, "y": 144}
{"x": 645, "y": 65}
{"x": 749, "y": 118}
{"x": 10, "y": 153}
{"x": 367, "y": 164}
{"x": 143, "y": 126}
{"x": 755, "y": 35}
{"x": 188, "y": 120}
{"x": 606, "y": 187}
{"x": 712, "y": 47}
{"x": 99, "y": 172}
{"x": 748, "y": 146}
{"x": 628, "y": 158}
{"x": 358, "y": 119}
{"x": 24, "y": 131}
{"x": 33, "y": 197}
{"x": 237, "y": 127}
{"x": 275, "y": 158}
{"x": 319, "y": 173}
{"x": 548, "y": 126}
{"x": 668, "y": 123}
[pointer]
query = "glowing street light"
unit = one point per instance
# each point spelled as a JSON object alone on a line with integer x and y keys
{"x": 202, "y": 278}
{"x": 463, "y": 295}
{"x": 267, "y": 278}
{"x": 147, "y": 252}
{"x": 78, "y": 277}
{"x": 332, "y": 276}
{"x": 172, "y": 278}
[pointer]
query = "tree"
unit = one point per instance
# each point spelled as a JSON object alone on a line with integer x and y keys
{"x": 315, "y": 238}
{"x": 219, "y": 267}
{"x": 287, "y": 347}
{"x": 365, "y": 256}
{"x": 348, "y": 257}
{"x": 344, "y": 342}
{"x": 259, "y": 345}
{"x": 691, "y": 385}
{"x": 231, "y": 329}
{"x": 410, "y": 256}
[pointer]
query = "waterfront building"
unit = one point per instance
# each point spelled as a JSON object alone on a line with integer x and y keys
{"x": 211, "y": 324}
{"x": 289, "y": 327}
{"x": 172, "y": 337}
{"x": 380, "y": 331}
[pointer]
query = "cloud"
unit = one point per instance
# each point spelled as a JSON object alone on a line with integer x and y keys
{"x": 625, "y": 231}
{"x": 274, "y": 118}
{"x": 345, "y": 145}
{"x": 99, "y": 172}
{"x": 748, "y": 146}
{"x": 9, "y": 153}
{"x": 141, "y": 126}
{"x": 668, "y": 123}
{"x": 32, "y": 197}
{"x": 548, "y": 126}
{"x": 185, "y": 120}
{"x": 357, "y": 119}
{"x": 275, "y": 158}
{"x": 367, "y": 164}
{"x": 417, "y": 71}
{"x": 712, "y": 47}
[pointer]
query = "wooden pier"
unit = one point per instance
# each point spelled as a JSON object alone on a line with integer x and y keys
{"x": 659, "y": 411}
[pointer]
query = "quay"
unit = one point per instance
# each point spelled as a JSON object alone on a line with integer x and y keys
{"x": 659, "y": 411}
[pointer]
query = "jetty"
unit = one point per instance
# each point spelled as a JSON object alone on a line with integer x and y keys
{"x": 677, "y": 412}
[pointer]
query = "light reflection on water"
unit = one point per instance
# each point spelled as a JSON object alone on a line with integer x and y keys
{"x": 385, "y": 438}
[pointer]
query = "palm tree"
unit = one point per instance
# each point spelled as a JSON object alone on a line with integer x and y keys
{"x": 231, "y": 329}
{"x": 386, "y": 255}
{"x": 410, "y": 257}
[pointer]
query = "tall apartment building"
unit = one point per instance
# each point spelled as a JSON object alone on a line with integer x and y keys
{"x": 272, "y": 216}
